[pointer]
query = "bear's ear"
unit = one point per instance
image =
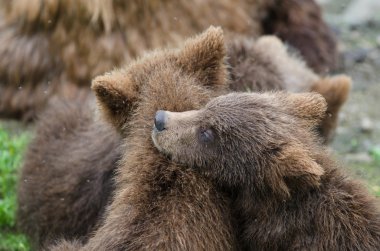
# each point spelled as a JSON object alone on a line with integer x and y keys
{"x": 335, "y": 90}
{"x": 299, "y": 164}
{"x": 298, "y": 170}
{"x": 204, "y": 56}
{"x": 116, "y": 94}
{"x": 271, "y": 45}
{"x": 310, "y": 107}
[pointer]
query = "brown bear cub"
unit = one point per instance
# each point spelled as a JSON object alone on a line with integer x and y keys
{"x": 267, "y": 64}
{"x": 67, "y": 177}
{"x": 82, "y": 150}
{"x": 158, "y": 204}
{"x": 287, "y": 193}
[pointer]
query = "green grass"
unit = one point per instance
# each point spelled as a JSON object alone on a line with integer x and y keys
{"x": 12, "y": 147}
{"x": 375, "y": 153}
{"x": 369, "y": 174}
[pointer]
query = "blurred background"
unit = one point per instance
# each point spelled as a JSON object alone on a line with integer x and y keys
{"x": 357, "y": 142}
{"x": 356, "y": 24}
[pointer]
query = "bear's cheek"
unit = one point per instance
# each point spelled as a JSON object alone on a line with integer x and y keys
{"x": 156, "y": 141}
{"x": 159, "y": 140}
{"x": 168, "y": 142}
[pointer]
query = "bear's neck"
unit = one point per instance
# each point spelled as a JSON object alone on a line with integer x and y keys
{"x": 265, "y": 219}
{"x": 297, "y": 186}
{"x": 251, "y": 201}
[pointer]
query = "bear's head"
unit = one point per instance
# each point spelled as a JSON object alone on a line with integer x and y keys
{"x": 176, "y": 79}
{"x": 263, "y": 142}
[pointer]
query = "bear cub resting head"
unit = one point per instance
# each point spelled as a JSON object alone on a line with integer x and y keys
{"x": 243, "y": 139}
{"x": 287, "y": 193}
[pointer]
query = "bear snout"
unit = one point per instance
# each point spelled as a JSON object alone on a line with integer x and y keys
{"x": 159, "y": 120}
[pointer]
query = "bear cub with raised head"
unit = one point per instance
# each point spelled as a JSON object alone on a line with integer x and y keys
{"x": 287, "y": 193}
{"x": 82, "y": 149}
{"x": 158, "y": 204}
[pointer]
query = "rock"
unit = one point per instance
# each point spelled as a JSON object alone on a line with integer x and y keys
{"x": 361, "y": 11}
{"x": 323, "y": 2}
{"x": 361, "y": 157}
{"x": 366, "y": 125}
{"x": 378, "y": 40}
{"x": 355, "y": 56}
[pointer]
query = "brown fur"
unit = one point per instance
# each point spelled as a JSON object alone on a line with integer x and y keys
{"x": 251, "y": 69}
{"x": 267, "y": 64}
{"x": 69, "y": 42}
{"x": 66, "y": 180}
{"x": 157, "y": 204}
{"x": 254, "y": 65}
{"x": 36, "y": 227}
{"x": 287, "y": 192}
{"x": 300, "y": 23}
{"x": 335, "y": 90}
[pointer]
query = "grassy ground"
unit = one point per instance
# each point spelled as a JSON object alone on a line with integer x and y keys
{"x": 12, "y": 146}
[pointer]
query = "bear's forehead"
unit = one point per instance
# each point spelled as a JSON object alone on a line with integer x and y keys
{"x": 240, "y": 117}
{"x": 239, "y": 106}
{"x": 153, "y": 63}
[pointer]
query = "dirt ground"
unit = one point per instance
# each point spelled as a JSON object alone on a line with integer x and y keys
{"x": 357, "y": 141}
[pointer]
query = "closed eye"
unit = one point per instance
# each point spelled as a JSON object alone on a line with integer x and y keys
{"x": 206, "y": 136}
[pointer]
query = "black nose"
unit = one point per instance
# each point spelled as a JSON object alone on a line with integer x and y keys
{"x": 159, "y": 120}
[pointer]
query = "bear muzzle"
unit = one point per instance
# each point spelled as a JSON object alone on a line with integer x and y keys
{"x": 160, "y": 120}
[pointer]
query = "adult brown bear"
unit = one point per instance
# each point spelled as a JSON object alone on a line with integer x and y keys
{"x": 57, "y": 47}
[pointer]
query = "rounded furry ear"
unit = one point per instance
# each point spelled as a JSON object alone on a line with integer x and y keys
{"x": 310, "y": 107}
{"x": 299, "y": 164}
{"x": 272, "y": 44}
{"x": 204, "y": 56}
{"x": 296, "y": 75}
{"x": 335, "y": 90}
{"x": 297, "y": 170}
{"x": 116, "y": 93}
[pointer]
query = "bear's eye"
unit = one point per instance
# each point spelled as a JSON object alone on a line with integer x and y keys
{"x": 206, "y": 135}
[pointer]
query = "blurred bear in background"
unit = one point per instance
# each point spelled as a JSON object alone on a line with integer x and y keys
{"x": 57, "y": 47}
